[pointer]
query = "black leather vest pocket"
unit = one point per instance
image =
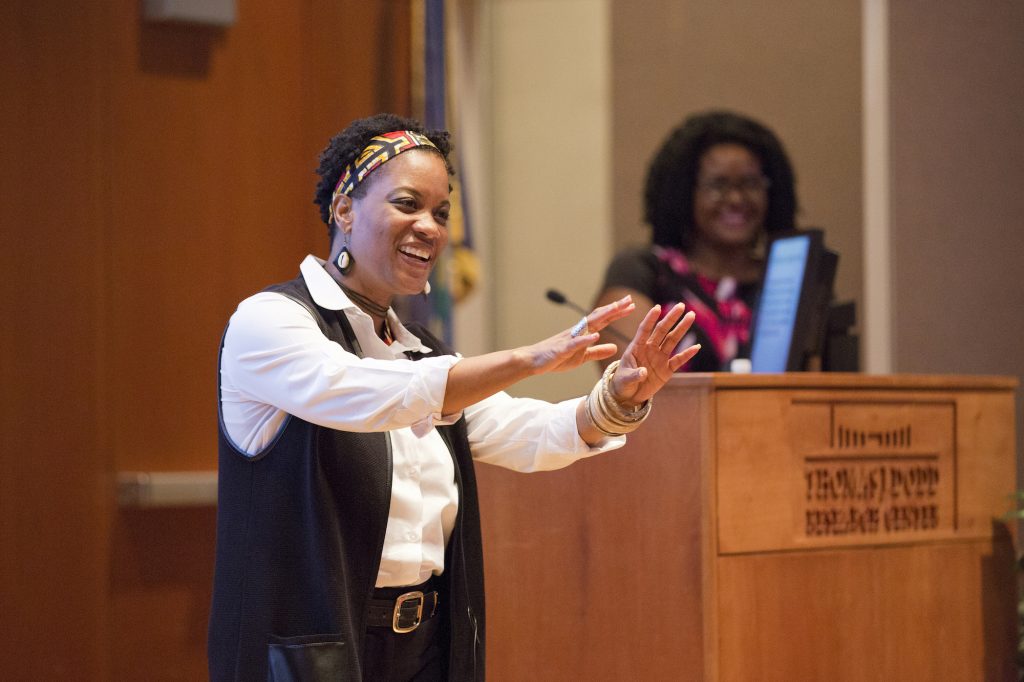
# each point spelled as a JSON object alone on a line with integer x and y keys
{"x": 310, "y": 658}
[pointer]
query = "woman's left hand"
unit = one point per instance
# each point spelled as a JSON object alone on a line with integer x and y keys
{"x": 650, "y": 360}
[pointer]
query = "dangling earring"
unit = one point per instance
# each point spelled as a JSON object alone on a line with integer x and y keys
{"x": 426, "y": 288}
{"x": 345, "y": 261}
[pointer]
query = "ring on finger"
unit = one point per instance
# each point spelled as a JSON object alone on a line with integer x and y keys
{"x": 580, "y": 328}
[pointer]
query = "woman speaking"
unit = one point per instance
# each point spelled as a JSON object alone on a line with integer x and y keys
{"x": 348, "y": 532}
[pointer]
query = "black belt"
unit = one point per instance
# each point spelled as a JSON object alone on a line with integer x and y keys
{"x": 405, "y": 613}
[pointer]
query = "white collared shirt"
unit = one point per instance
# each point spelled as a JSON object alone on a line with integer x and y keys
{"x": 276, "y": 361}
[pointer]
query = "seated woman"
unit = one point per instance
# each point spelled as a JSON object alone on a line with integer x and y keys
{"x": 348, "y": 529}
{"x": 718, "y": 186}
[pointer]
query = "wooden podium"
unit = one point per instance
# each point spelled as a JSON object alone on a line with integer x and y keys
{"x": 767, "y": 527}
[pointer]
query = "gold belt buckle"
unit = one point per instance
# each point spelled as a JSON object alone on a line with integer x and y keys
{"x": 396, "y": 617}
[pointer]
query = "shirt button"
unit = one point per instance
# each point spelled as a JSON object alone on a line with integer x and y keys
{"x": 412, "y": 536}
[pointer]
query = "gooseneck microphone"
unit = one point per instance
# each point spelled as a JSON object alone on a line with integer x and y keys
{"x": 556, "y": 296}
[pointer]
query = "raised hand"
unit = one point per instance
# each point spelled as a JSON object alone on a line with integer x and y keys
{"x": 650, "y": 360}
{"x": 563, "y": 351}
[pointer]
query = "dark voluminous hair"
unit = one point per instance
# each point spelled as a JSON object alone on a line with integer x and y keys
{"x": 672, "y": 176}
{"x": 346, "y": 146}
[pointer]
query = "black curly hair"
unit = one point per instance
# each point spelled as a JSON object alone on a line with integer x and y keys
{"x": 346, "y": 146}
{"x": 672, "y": 176}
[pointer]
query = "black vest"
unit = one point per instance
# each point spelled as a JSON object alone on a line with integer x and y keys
{"x": 300, "y": 531}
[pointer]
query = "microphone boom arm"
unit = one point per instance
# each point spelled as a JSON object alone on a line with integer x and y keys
{"x": 558, "y": 297}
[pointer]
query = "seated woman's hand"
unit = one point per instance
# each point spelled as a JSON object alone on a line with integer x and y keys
{"x": 563, "y": 351}
{"x": 650, "y": 360}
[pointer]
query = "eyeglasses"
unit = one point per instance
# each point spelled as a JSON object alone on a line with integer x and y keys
{"x": 750, "y": 187}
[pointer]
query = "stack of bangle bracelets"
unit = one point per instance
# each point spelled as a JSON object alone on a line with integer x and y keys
{"x": 607, "y": 414}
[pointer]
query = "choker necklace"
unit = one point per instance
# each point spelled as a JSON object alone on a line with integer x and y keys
{"x": 365, "y": 303}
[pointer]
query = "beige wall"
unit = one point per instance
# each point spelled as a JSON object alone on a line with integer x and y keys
{"x": 957, "y": 207}
{"x": 938, "y": 116}
{"x": 551, "y": 151}
{"x": 581, "y": 93}
{"x": 793, "y": 65}
{"x": 957, "y": 195}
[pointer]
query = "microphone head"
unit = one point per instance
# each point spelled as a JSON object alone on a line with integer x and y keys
{"x": 556, "y": 296}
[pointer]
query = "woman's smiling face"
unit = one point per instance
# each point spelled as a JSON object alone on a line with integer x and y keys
{"x": 398, "y": 228}
{"x": 730, "y": 199}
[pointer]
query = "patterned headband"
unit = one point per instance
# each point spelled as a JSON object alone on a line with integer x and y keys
{"x": 381, "y": 148}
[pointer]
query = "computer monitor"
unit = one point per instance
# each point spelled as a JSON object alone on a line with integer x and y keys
{"x": 791, "y": 312}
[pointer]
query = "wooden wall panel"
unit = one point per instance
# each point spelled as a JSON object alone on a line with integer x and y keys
{"x": 882, "y": 613}
{"x": 580, "y": 562}
{"x": 550, "y": 549}
{"x": 53, "y": 502}
{"x": 214, "y": 138}
{"x": 152, "y": 176}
